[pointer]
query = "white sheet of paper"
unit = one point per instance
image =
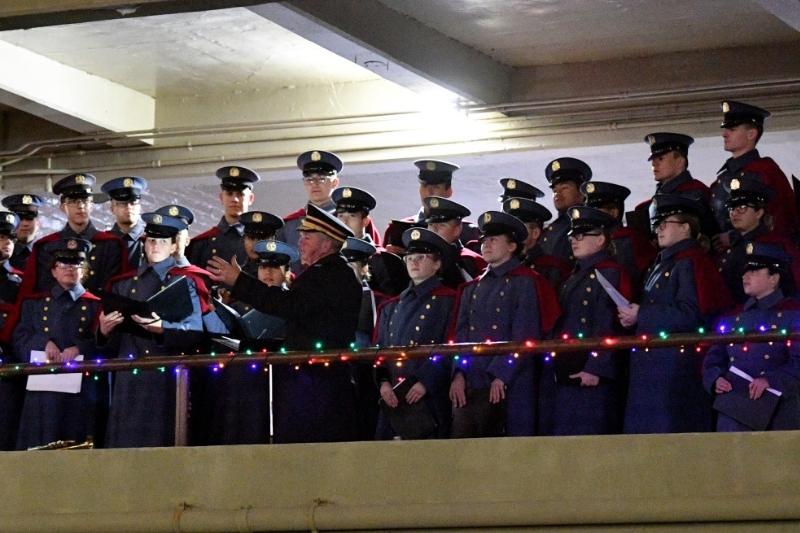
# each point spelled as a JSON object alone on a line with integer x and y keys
{"x": 68, "y": 383}
{"x": 612, "y": 292}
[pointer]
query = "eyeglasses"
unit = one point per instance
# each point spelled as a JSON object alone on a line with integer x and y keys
{"x": 580, "y": 236}
{"x": 315, "y": 179}
{"x": 67, "y": 266}
{"x": 741, "y": 208}
{"x": 663, "y": 224}
{"x": 416, "y": 258}
{"x": 78, "y": 201}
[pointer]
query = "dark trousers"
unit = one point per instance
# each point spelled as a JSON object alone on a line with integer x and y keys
{"x": 478, "y": 418}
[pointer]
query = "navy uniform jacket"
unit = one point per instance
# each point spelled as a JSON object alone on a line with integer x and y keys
{"x": 11, "y": 391}
{"x": 134, "y": 241}
{"x": 143, "y": 404}
{"x": 681, "y": 293}
{"x": 782, "y": 205}
{"x": 223, "y": 240}
{"x": 505, "y": 304}
{"x": 108, "y": 258}
{"x": 554, "y": 239}
{"x": 682, "y": 183}
{"x": 552, "y": 268}
{"x": 467, "y": 266}
{"x": 732, "y": 261}
{"x": 778, "y": 363}
{"x": 315, "y": 403}
{"x": 633, "y": 251}
{"x": 421, "y": 314}
{"x": 19, "y": 259}
{"x": 588, "y": 310}
{"x": 66, "y": 317}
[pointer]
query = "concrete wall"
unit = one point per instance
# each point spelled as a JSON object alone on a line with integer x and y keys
{"x": 722, "y": 482}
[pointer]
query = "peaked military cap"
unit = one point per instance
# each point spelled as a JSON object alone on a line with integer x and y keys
{"x": 321, "y": 221}
{"x": 527, "y": 210}
{"x": 567, "y": 169}
{"x": 75, "y": 186}
{"x": 236, "y": 178}
{"x": 735, "y": 113}
{"x": 423, "y": 240}
{"x": 434, "y": 172}
{"x": 355, "y": 249}
{"x": 352, "y": 200}
{"x": 275, "y": 253}
{"x": 438, "y": 209}
{"x": 664, "y": 205}
{"x": 25, "y": 205}
{"x": 125, "y": 189}
{"x": 319, "y": 162}
{"x": 162, "y": 226}
{"x": 8, "y": 223}
{"x": 763, "y": 255}
{"x": 599, "y": 193}
{"x": 498, "y": 223}
{"x": 260, "y": 224}
{"x": 583, "y": 219}
{"x": 514, "y": 188}
{"x": 72, "y": 250}
{"x": 174, "y": 210}
{"x": 664, "y": 142}
{"x": 747, "y": 188}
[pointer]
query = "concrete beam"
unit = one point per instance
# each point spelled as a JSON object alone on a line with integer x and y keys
{"x": 394, "y": 46}
{"x": 786, "y": 10}
{"x": 679, "y": 76}
{"x": 23, "y": 14}
{"x": 70, "y": 97}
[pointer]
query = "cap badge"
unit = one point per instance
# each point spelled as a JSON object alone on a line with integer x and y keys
{"x": 347, "y": 193}
{"x": 514, "y": 204}
{"x": 128, "y": 182}
{"x": 80, "y": 179}
{"x": 651, "y": 140}
{"x": 511, "y": 184}
{"x": 434, "y": 203}
{"x": 174, "y": 211}
{"x": 430, "y": 165}
{"x": 157, "y": 219}
{"x": 590, "y": 188}
{"x": 749, "y": 248}
{"x": 27, "y": 200}
{"x": 10, "y": 218}
{"x": 487, "y": 217}
{"x": 415, "y": 235}
{"x": 315, "y": 156}
{"x": 271, "y": 246}
{"x": 72, "y": 244}
{"x": 555, "y": 166}
{"x": 257, "y": 217}
{"x": 234, "y": 172}
{"x": 726, "y": 108}
{"x": 576, "y": 214}
{"x": 735, "y": 184}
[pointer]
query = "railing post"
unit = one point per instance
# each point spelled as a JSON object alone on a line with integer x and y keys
{"x": 181, "y": 405}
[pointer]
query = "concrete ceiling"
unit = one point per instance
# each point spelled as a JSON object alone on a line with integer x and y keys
{"x": 524, "y": 33}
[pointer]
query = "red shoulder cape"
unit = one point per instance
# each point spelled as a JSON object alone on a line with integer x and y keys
{"x": 712, "y": 293}
{"x": 643, "y": 251}
{"x": 294, "y": 215}
{"x": 782, "y": 206}
{"x": 213, "y": 232}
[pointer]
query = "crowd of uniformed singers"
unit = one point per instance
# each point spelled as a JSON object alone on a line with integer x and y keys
{"x": 691, "y": 257}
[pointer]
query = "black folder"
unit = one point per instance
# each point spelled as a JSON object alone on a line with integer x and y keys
{"x": 567, "y": 364}
{"x": 253, "y": 325}
{"x": 755, "y": 414}
{"x": 639, "y": 221}
{"x": 409, "y": 421}
{"x": 172, "y": 303}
